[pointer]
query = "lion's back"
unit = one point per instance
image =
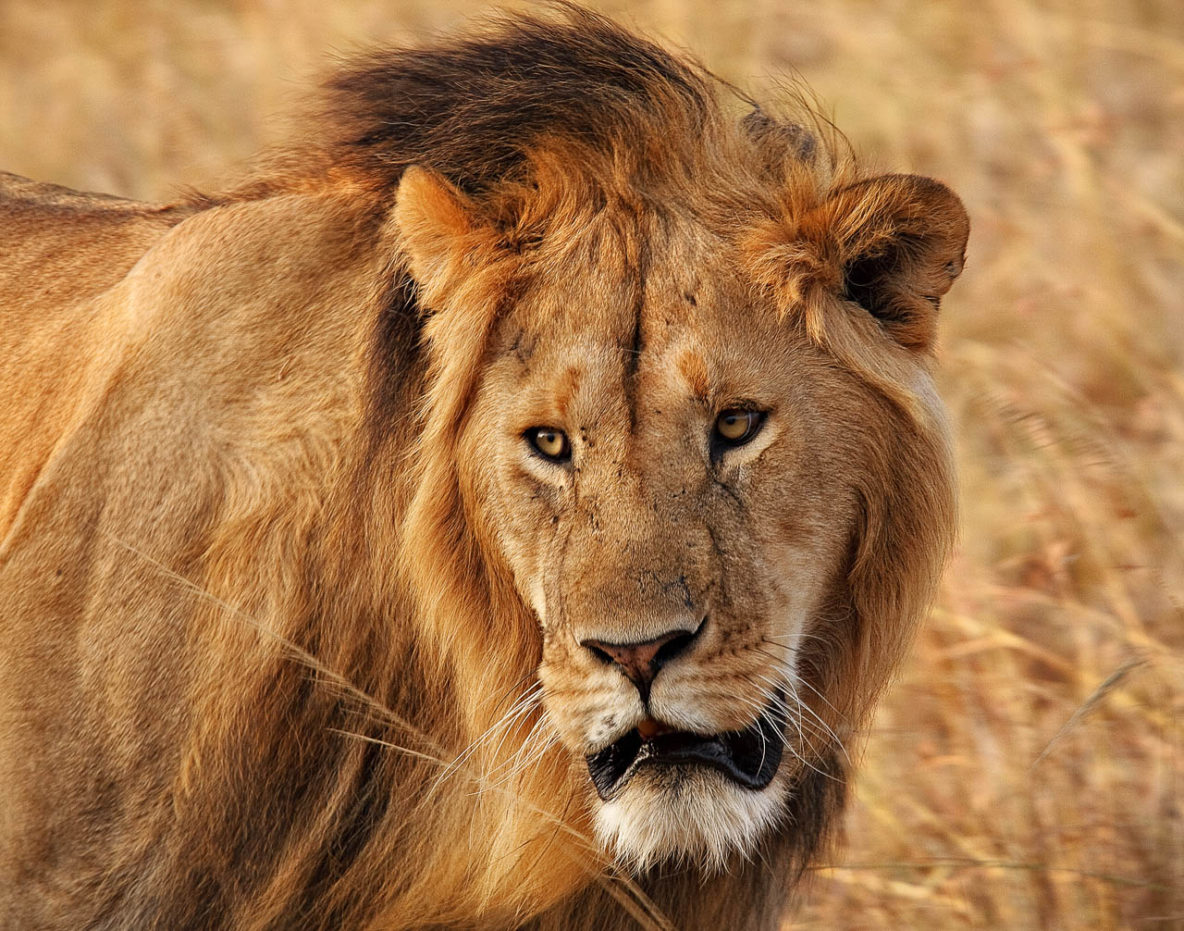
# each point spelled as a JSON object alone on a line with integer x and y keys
{"x": 59, "y": 251}
{"x": 67, "y": 245}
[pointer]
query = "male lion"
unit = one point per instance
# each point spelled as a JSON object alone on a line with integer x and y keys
{"x": 499, "y": 512}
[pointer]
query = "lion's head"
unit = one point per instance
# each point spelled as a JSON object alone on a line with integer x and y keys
{"x": 681, "y": 367}
{"x": 525, "y": 485}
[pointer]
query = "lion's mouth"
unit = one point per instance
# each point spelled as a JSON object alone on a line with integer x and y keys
{"x": 749, "y": 757}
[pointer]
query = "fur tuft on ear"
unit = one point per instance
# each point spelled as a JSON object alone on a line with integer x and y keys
{"x": 893, "y": 245}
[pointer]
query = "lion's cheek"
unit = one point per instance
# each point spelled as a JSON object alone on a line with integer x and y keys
{"x": 535, "y": 594}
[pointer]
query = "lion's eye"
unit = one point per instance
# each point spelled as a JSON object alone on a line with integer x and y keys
{"x": 550, "y": 443}
{"x": 736, "y": 427}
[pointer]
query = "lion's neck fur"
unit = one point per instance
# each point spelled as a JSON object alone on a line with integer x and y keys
{"x": 326, "y": 759}
{"x": 424, "y": 791}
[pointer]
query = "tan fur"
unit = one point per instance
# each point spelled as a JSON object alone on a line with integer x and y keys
{"x": 291, "y": 613}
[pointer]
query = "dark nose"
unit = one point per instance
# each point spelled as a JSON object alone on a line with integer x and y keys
{"x": 641, "y": 661}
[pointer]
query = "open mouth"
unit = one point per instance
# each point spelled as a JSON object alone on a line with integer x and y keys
{"x": 749, "y": 757}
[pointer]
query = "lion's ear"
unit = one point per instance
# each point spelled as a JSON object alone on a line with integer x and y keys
{"x": 441, "y": 232}
{"x": 899, "y": 242}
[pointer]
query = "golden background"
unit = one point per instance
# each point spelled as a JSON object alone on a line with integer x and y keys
{"x": 1027, "y": 771}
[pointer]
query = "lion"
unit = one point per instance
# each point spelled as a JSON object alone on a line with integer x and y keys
{"x": 502, "y": 509}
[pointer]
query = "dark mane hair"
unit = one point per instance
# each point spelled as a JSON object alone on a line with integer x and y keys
{"x": 475, "y": 109}
{"x": 471, "y": 110}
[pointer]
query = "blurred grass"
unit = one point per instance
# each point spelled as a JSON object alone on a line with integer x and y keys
{"x": 1028, "y": 769}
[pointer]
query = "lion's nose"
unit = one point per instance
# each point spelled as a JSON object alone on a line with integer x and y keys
{"x": 641, "y": 661}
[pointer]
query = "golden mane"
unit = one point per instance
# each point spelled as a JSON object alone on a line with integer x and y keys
{"x": 239, "y": 547}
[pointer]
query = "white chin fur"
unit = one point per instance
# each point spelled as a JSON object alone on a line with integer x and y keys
{"x": 700, "y": 817}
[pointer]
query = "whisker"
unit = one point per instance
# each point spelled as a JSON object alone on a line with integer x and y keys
{"x": 790, "y": 683}
{"x": 772, "y": 701}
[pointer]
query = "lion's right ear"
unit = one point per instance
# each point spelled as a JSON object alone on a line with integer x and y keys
{"x": 892, "y": 245}
{"x": 442, "y": 233}
{"x": 898, "y": 242}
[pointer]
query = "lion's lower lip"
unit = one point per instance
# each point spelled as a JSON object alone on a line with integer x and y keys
{"x": 749, "y": 757}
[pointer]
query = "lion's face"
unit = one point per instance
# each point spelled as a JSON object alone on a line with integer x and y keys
{"x": 702, "y": 484}
{"x": 667, "y": 475}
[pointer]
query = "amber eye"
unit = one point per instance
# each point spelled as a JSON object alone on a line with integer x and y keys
{"x": 736, "y": 427}
{"x": 550, "y": 443}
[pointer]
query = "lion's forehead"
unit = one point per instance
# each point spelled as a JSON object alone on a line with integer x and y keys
{"x": 600, "y": 276}
{"x": 667, "y": 335}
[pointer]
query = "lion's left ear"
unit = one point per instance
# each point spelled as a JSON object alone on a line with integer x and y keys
{"x": 461, "y": 270}
{"x": 447, "y": 241}
{"x": 897, "y": 243}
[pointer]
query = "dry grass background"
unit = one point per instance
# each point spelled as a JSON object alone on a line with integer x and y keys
{"x": 1027, "y": 771}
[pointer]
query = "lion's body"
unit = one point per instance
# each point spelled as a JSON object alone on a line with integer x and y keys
{"x": 253, "y": 612}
